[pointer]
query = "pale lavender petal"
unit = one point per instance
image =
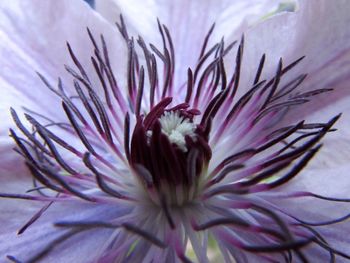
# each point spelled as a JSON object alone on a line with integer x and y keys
{"x": 144, "y": 175}
{"x": 42, "y": 47}
{"x": 42, "y": 233}
{"x": 329, "y": 218}
{"x": 336, "y": 150}
{"x": 317, "y": 30}
{"x": 188, "y": 22}
{"x": 14, "y": 174}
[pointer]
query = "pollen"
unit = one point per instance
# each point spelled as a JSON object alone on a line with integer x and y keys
{"x": 177, "y": 128}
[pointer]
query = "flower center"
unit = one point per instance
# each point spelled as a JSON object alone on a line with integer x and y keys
{"x": 177, "y": 127}
{"x": 169, "y": 152}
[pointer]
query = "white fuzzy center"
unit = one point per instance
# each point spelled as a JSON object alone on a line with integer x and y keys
{"x": 176, "y": 128}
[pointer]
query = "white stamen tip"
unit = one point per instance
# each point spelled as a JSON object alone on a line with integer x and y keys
{"x": 177, "y": 128}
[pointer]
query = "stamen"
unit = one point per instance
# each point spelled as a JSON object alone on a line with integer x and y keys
{"x": 52, "y": 175}
{"x": 289, "y": 87}
{"x": 325, "y": 223}
{"x": 206, "y": 39}
{"x": 279, "y": 247}
{"x": 34, "y": 218}
{"x": 236, "y": 77}
{"x": 167, "y": 212}
{"x": 324, "y": 244}
{"x": 99, "y": 178}
{"x": 276, "y": 81}
{"x": 13, "y": 259}
{"x": 127, "y": 136}
{"x": 177, "y": 128}
{"x": 202, "y": 61}
{"x": 260, "y": 68}
{"x": 54, "y": 151}
{"x": 88, "y": 107}
{"x": 77, "y": 129}
{"x": 103, "y": 116}
{"x": 77, "y": 63}
{"x": 42, "y": 179}
{"x": 140, "y": 92}
{"x": 52, "y": 244}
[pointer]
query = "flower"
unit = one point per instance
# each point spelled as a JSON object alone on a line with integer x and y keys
{"x": 137, "y": 168}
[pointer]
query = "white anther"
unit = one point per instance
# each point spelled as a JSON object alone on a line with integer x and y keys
{"x": 177, "y": 128}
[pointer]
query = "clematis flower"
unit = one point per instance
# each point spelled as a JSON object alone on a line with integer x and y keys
{"x": 147, "y": 140}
